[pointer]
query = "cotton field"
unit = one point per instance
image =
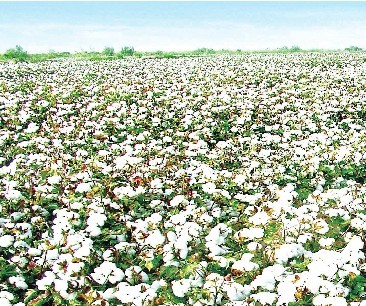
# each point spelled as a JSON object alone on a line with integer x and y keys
{"x": 218, "y": 180}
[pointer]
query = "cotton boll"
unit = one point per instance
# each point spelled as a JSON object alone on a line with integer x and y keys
{"x": 6, "y": 241}
{"x": 5, "y": 302}
{"x": 320, "y": 226}
{"x": 321, "y": 300}
{"x": 135, "y": 274}
{"x": 250, "y": 233}
{"x": 181, "y": 287}
{"x": 61, "y": 285}
{"x": 244, "y": 264}
{"x": 47, "y": 280}
{"x": 54, "y": 179}
{"x": 19, "y": 282}
{"x": 259, "y": 218}
{"x": 265, "y": 298}
{"x": 83, "y": 187}
{"x": 178, "y": 199}
{"x": 287, "y": 251}
{"x": 236, "y": 292}
{"x": 155, "y": 238}
{"x": 326, "y": 242}
{"x": 254, "y": 246}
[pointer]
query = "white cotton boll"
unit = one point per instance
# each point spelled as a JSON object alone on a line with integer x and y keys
{"x": 326, "y": 242}
{"x": 236, "y": 291}
{"x": 32, "y": 128}
{"x": 265, "y": 298}
{"x": 216, "y": 212}
{"x": 244, "y": 264}
{"x": 304, "y": 238}
{"x": 6, "y": 241}
{"x": 19, "y": 282}
{"x": 54, "y": 179}
{"x": 82, "y": 252}
{"x": 172, "y": 237}
{"x": 13, "y": 194}
{"x": 181, "y": 287}
{"x": 93, "y": 231}
{"x": 155, "y": 238}
{"x": 116, "y": 275}
{"x": 108, "y": 255}
{"x": 225, "y": 194}
{"x": 321, "y": 300}
{"x": 46, "y": 281}
{"x": 96, "y": 219}
{"x": 209, "y": 188}
{"x": 287, "y": 251}
{"x": 34, "y": 252}
{"x": 320, "y": 226}
{"x": 250, "y": 233}
{"x": 5, "y": 302}
{"x": 259, "y": 218}
{"x": 83, "y": 187}
{"x": 61, "y": 285}
{"x": 178, "y": 219}
{"x": 178, "y": 199}
{"x": 240, "y": 179}
{"x": 167, "y": 139}
{"x": 268, "y": 277}
{"x": 254, "y": 246}
{"x": 108, "y": 294}
{"x": 6, "y": 295}
{"x": 286, "y": 292}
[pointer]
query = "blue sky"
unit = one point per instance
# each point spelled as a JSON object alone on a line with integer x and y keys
{"x": 76, "y": 26}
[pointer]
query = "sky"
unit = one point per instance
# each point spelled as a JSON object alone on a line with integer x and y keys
{"x": 181, "y": 26}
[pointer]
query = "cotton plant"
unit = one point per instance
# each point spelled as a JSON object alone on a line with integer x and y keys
{"x": 171, "y": 182}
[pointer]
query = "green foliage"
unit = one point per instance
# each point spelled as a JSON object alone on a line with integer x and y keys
{"x": 353, "y": 48}
{"x": 357, "y": 283}
{"x": 202, "y": 51}
{"x": 127, "y": 51}
{"x": 292, "y": 49}
{"x": 108, "y": 51}
{"x": 18, "y": 54}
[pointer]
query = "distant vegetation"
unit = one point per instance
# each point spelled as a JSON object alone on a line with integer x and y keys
{"x": 18, "y": 54}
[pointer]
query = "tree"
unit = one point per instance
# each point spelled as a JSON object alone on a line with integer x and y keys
{"x": 127, "y": 51}
{"x": 17, "y": 54}
{"x": 353, "y": 48}
{"x": 109, "y": 51}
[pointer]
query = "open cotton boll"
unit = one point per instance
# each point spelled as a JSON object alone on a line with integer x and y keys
{"x": 320, "y": 226}
{"x": 326, "y": 242}
{"x": 181, "y": 287}
{"x": 135, "y": 275}
{"x": 5, "y": 302}
{"x": 322, "y": 300}
{"x": 236, "y": 291}
{"x": 265, "y": 298}
{"x": 287, "y": 251}
{"x": 155, "y": 238}
{"x": 6, "y": 241}
{"x": 55, "y": 179}
{"x": 178, "y": 199}
{"x": 46, "y": 281}
{"x": 267, "y": 279}
{"x": 259, "y": 218}
{"x": 83, "y": 187}
{"x": 250, "y": 233}
{"x": 61, "y": 285}
{"x": 18, "y": 281}
{"x": 245, "y": 264}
